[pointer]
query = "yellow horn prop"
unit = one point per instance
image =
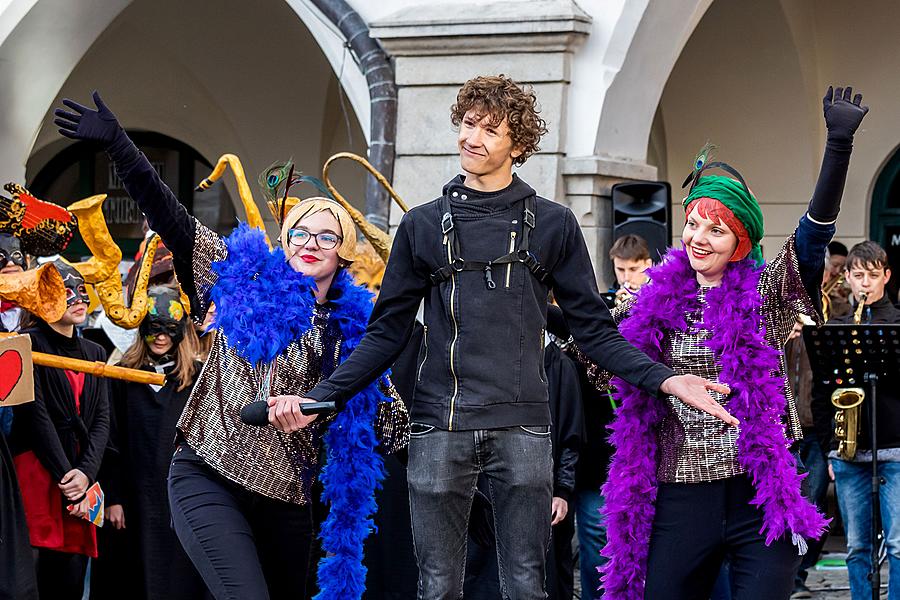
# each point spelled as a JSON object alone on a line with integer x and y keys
{"x": 106, "y": 254}
{"x": 102, "y": 269}
{"x": 40, "y": 291}
{"x": 254, "y": 219}
{"x": 380, "y": 240}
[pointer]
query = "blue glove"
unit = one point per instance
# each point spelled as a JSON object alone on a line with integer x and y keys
{"x": 88, "y": 124}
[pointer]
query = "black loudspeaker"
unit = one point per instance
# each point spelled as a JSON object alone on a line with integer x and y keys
{"x": 643, "y": 208}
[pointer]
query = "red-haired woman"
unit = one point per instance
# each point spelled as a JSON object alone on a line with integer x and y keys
{"x": 685, "y": 491}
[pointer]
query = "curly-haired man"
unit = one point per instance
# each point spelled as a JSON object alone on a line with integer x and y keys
{"x": 484, "y": 256}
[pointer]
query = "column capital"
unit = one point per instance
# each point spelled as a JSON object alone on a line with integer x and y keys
{"x": 595, "y": 175}
{"x": 468, "y": 28}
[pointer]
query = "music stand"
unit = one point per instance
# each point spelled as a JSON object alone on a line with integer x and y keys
{"x": 850, "y": 356}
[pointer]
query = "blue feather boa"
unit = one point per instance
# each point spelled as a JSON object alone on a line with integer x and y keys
{"x": 262, "y": 305}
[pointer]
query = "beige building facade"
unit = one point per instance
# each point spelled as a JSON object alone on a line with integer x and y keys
{"x": 630, "y": 89}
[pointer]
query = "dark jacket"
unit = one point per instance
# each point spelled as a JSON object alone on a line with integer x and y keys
{"x": 481, "y": 364}
{"x": 134, "y": 474}
{"x": 61, "y": 437}
{"x": 888, "y": 408}
{"x": 567, "y": 429}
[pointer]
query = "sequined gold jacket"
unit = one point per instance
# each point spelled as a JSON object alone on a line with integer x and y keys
{"x": 695, "y": 446}
{"x": 263, "y": 459}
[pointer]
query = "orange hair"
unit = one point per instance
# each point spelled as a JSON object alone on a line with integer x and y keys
{"x": 712, "y": 209}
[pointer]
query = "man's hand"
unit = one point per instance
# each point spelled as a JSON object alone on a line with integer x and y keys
{"x": 559, "y": 508}
{"x": 88, "y": 124}
{"x": 842, "y": 115}
{"x": 74, "y": 484}
{"x": 285, "y": 415}
{"x": 115, "y": 514}
{"x": 694, "y": 391}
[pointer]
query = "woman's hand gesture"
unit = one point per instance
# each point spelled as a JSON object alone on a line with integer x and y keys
{"x": 88, "y": 124}
{"x": 842, "y": 115}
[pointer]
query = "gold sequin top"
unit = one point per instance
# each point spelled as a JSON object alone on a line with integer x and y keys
{"x": 263, "y": 459}
{"x": 693, "y": 445}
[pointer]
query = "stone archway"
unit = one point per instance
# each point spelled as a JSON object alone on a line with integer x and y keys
{"x": 649, "y": 55}
{"x": 45, "y": 45}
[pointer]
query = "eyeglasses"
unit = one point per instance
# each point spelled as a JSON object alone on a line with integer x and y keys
{"x": 325, "y": 240}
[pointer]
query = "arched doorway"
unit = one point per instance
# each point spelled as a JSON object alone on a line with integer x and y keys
{"x": 884, "y": 216}
{"x": 81, "y": 170}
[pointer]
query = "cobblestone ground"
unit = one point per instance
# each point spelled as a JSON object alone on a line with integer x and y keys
{"x": 834, "y": 584}
{"x": 825, "y": 584}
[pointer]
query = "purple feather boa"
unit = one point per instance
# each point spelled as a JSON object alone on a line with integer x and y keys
{"x": 749, "y": 366}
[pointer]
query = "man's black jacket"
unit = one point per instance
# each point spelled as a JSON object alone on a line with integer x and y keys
{"x": 880, "y": 311}
{"x": 481, "y": 363}
{"x": 567, "y": 416}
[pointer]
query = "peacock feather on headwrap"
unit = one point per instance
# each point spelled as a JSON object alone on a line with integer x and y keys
{"x": 732, "y": 192}
{"x": 700, "y": 162}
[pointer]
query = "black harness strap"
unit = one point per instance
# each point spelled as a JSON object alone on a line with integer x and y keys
{"x": 521, "y": 254}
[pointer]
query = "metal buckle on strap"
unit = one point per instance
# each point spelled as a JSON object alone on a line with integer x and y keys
{"x": 529, "y": 218}
{"x": 446, "y": 223}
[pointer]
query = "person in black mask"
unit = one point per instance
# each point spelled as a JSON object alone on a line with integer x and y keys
{"x": 17, "y": 578}
{"x": 57, "y": 443}
{"x": 12, "y": 260}
{"x": 140, "y": 556}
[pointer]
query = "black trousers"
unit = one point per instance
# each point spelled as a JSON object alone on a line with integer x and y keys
{"x": 244, "y": 545}
{"x": 697, "y": 526}
{"x": 60, "y": 575}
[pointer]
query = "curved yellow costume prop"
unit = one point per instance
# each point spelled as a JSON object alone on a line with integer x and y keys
{"x": 368, "y": 267}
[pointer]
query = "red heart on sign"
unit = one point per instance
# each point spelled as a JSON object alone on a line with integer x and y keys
{"x": 10, "y": 372}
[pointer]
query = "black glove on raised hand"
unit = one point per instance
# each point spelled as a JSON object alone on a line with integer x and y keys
{"x": 842, "y": 115}
{"x": 88, "y": 124}
{"x": 842, "y": 118}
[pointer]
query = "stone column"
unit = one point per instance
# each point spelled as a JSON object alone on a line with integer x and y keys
{"x": 437, "y": 47}
{"x": 588, "y": 186}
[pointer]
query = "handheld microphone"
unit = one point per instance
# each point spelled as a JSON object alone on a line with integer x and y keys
{"x": 257, "y": 413}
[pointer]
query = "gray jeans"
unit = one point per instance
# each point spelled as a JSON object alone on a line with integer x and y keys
{"x": 443, "y": 469}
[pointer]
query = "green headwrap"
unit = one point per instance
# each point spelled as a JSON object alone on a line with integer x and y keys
{"x": 738, "y": 200}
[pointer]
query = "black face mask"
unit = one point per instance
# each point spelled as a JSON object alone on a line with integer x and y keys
{"x": 11, "y": 251}
{"x": 153, "y": 325}
{"x": 165, "y": 314}
{"x": 76, "y": 291}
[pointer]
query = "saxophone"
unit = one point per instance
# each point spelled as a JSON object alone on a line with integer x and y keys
{"x": 833, "y": 284}
{"x": 847, "y": 402}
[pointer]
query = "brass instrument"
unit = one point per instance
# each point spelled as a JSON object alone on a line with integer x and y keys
{"x": 102, "y": 269}
{"x": 860, "y": 307}
{"x": 623, "y": 297}
{"x": 846, "y": 419}
{"x": 847, "y": 402}
{"x": 831, "y": 285}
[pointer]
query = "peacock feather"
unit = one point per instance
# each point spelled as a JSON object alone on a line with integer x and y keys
{"x": 277, "y": 181}
{"x": 700, "y": 161}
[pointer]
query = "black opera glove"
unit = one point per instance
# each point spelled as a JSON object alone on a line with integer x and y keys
{"x": 88, "y": 124}
{"x": 842, "y": 115}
